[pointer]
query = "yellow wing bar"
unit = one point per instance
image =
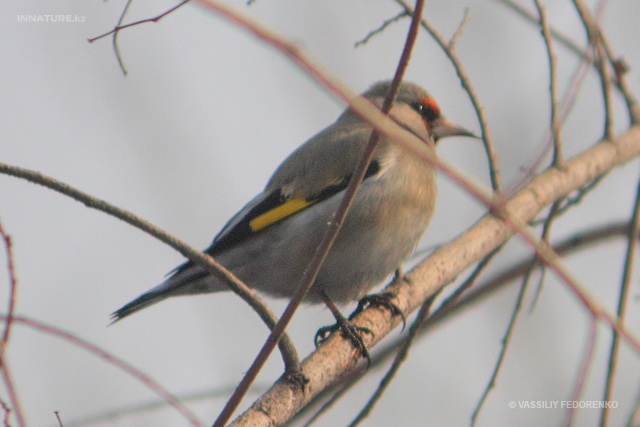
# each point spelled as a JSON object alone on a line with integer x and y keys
{"x": 276, "y": 214}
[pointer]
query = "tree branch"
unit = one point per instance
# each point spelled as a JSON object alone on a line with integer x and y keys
{"x": 336, "y": 356}
{"x": 287, "y": 348}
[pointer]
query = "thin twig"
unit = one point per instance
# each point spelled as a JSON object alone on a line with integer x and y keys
{"x": 553, "y": 82}
{"x": 353, "y": 377}
{"x": 566, "y": 106}
{"x": 330, "y": 236}
{"x": 562, "y": 39}
{"x": 570, "y": 97}
{"x": 546, "y": 234}
{"x": 7, "y": 413}
{"x": 632, "y": 244}
{"x": 401, "y": 356}
{"x": 506, "y": 340}
{"x": 577, "y": 242}
{"x": 110, "y": 358}
{"x": 13, "y": 395}
{"x": 593, "y": 34}
{"x": 585, "y": 56}
{"x": 634, "y": 416}
{"x": 381, "y": 28}
{"x": 111, "y": 416}
{"x": 116, "y": 47}
{"x": 568, "y": 202}
{"x": 58, "y": 418}
{"x": 289, "y": 354}
{"x": 13, "y": 288}
{"x": 387, "y": 127}
{"x": 458, "y": 33}
{"x": 449, "y": 50}
{"x": 620, "y": 69}
{"x": 540, "y": 249}
{"x": 156, "y": 18}
{"x": 583, "y": 370}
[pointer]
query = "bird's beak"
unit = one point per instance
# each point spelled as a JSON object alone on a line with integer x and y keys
{"x": 443, "y": 127}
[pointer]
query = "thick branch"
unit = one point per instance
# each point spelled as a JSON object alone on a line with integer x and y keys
{"x": 336, "y": 356}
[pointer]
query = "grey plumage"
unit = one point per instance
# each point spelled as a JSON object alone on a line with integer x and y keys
{"x": 389, "y": 214}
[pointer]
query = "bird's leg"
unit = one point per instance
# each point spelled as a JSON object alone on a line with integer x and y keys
{"x": 348, "y": 329}
{"x": 383, "y": 300}
{"x": 399, "y": 275}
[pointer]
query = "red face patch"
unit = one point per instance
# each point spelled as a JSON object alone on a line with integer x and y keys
{"x": 431, "y": 108}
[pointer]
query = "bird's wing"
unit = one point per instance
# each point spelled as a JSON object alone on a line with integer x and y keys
{"x": 311, "y": 174}
{"x": 289, "y": 193}
{"x": 270, "y": 208}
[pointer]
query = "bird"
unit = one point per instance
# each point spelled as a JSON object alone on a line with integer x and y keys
{"x": 270, "y": 241}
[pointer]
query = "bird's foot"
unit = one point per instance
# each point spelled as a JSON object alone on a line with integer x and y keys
{"x": 381, "y": 300}
{"x": 350, "y": 331}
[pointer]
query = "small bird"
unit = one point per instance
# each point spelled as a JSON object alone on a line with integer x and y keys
{"x": 269, "y": 243}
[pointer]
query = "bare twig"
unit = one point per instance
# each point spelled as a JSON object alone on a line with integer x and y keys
{"x": 401, "y": 356}
{"x": 330, "y": 236}
{"x": 119, "y": 27}
{"x": 110, "y": 358}
{"x": 13, "y": 287}
{"x": 568, "y": 202}
{"x": 11, "y": 391}
{"x": 289, "y": 354}
{"x": 333, "y": 358}
{"x": 381, "y": 28}
{"x": 57, "y": 414}
{"x": 458, "y": 33}
{"x": 110, "y": 416}
{"x": 569, "y": 98}
{"x": 449, "y": 50}
{"x": 380, "y": 123}
{"x": 593, "y": 34}
{"x": 504, "y": 215}
{"x": 583, "y": 370}
{"x": 116, "y": 47}
{"x": 634, "y": 416}
{"x": 568, "y": 101}
{"x": 4, "y": 368}
{"x": 350, "y": 380}
{"x": 553, "y": 78}
{"x": 546, "y": 235}
{"x": 632, "y": 243}
{"x": 506, "y": 340}
{"x": 580, "y": 241}
{"x": 562, "y": 39}
{"x": 620, "y": 69}
{"x": 7, "y": 413}
{"x": 577, "y": 242}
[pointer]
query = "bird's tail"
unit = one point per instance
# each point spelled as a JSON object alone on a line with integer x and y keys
{"x": 186, "y": 279}
{"x": 139, "y": 303}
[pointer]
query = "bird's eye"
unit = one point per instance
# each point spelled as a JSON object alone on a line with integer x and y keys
{"x": 418, "y": 107}
{"x": 427, "y": 108}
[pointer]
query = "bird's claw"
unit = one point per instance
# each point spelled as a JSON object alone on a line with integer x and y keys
{"x": 350, "y": 331}
{"x": 382, "y": 300}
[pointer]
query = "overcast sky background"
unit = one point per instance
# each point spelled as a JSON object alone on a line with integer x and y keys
{"x": 194, "y": 131}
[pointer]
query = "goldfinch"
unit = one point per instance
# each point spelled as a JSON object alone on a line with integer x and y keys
{"x": 269, "y": 243}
